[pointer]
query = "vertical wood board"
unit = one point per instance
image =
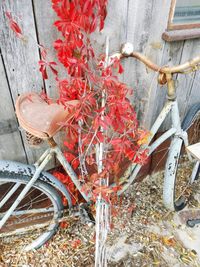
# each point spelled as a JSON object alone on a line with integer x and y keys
{"x": 115, "y": 27}
{"x": 47, "y": 34}
{"x": 20, "y": 56}
{"x": 147, "y": 21}
{"x": 188, "y": 86}
{"x": 172, "y": 54}
{"x": 11, "y": 146}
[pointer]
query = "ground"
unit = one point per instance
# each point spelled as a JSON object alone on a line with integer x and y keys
{"x": 144, "y": 233}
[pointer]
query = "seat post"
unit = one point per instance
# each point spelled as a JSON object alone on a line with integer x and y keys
{"x": 52, "y": 142}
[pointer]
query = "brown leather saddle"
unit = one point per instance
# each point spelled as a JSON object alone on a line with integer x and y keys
{"x": 41, "y": 119}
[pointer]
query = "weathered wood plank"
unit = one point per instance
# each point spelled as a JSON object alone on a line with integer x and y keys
{"x": 11, "y": 146}
{"x": 147, "y": 20}
{"x": 20, "y": 57}
{"x": 47, "y": 34}
{"x": 179, "y": 35}
{"x": 115, "y": 27}
{"x": 188, "y": 90}
{"x": 172, "y": 54}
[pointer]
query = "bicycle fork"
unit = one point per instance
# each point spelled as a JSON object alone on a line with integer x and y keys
{"x": 39, "y": 167}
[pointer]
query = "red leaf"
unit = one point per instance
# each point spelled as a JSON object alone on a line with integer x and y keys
{"x": 76, "y": 243}
{"x": 75, "y": 163}
{"x": 94, "y": 25}
{"x": 69, "y": 145}
{"x": 100, "y": 137}
{"x": 15, "y": 27}
{"x": 64, "y": 224}
{"x": 43, "y": 69}
{"x": 116, "y": 188}
{"x": 13, "y": 24}
{"x": 53, "y": 70}
{"x": 57, "y": 44}
{"x": 43, "y": 52}
{"x": 121, "y": 70}
{"x": 116, "y": 141}
{"x": 69, "y": 156}
{"x": 130, "y": 153}
{"x": 8, "y": 15}
{"x": 101, "y": 24}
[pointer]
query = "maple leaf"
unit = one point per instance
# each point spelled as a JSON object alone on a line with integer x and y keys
{"x": 14, "y": 25}
{"x": 43, "y": 68}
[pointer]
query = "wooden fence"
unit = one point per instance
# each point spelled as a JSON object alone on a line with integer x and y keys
{"x": 141, "y": 22}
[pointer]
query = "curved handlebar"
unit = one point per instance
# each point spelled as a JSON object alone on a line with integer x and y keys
{"x": 127, "y": 51}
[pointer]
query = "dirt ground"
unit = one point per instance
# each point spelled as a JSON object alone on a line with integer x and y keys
{"x": 143, "y": 233}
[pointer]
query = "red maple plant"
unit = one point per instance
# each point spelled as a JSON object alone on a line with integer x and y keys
{"x": 114, "y": 124}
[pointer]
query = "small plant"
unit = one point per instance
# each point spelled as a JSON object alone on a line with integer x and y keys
{"x": 105, "y": 119}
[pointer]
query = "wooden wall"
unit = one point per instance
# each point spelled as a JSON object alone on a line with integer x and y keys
{"x": 141, "y": 22}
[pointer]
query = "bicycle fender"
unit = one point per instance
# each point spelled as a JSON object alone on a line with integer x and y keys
{"x": 13, "y": 167}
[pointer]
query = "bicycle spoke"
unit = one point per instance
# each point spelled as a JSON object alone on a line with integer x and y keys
{"x": 162, "y": 157}
{"x": 38, "y": 212}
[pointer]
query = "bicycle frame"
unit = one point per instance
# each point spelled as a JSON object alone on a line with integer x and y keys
{"x": 131, "y": 173}
{"x": 171, "y": 107}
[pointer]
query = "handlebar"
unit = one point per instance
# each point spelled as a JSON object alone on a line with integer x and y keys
{"x": 127, "y": 51}
{"x": 165, "y": 73}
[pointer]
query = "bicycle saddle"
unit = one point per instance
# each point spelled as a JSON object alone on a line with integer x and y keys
{"x": 39, "y": 118}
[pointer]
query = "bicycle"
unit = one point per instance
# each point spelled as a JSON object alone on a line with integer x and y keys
{"x": 20, "y": 182}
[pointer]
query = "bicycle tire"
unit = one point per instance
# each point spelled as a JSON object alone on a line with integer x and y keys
{"x": 177, "y": 186}
{"x": 189, "y": 119}
{"x": 51, "y": 197}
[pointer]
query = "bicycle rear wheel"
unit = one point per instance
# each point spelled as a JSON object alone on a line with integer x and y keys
{"x": 37, "y": 214}
{"x": 181, "y": 171}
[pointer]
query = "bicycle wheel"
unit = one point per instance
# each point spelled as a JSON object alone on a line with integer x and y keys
{"x": 36, "y": 216}
{"x": 181, "y": 171}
